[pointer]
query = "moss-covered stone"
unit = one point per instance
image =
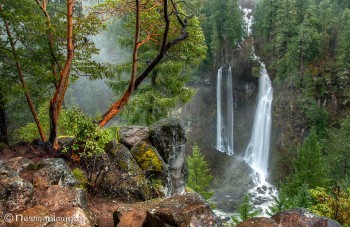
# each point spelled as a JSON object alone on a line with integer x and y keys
{"x": 147, "y": 157}
{"x": 121, "y": 158}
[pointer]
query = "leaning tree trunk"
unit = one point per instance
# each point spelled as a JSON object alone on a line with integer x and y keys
{"x": 3, "y": 122}
{"x": 21, "y": 78}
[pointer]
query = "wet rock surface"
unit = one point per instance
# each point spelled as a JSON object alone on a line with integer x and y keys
{"x": 19, "y": 164}
{"x": 53, "y": 171}
{"x": 131, "y": 135}
{"x": 258, "y": 222}
{"x": 302, "y": 217}
{"x": 168, "y": 136}
{"x": 185, "y": 210}
{"x": 59, "y": 198}
{"x": 15, "y": 193}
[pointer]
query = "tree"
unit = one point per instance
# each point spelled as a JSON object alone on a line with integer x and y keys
{"x": 21, "y": 75}
{"x": 245, "y": 211}
{"x": 199, "y": 177}
{"x": 166, "y": 87}
{"x": 334, "y": 204}
{"x": 168, "y": 38}
{"x": 338, "y": 152}
{"x": 309, "y": 166}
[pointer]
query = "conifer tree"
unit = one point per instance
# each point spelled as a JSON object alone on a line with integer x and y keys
{"x": 199, "y": 177}
{"x": 246, "y": 211}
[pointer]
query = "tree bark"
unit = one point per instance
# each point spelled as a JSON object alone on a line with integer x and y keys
{"x": 165, "y": 46}
{"x": 117, "y": 106}
{"x": 21, "y": 77}
{"x": 3, "y": 122}
{"x": 58, "y": 98}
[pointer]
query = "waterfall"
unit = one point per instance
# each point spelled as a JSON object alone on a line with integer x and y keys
{"x": 257, "y": 153}
{"x": 224, "y": 123}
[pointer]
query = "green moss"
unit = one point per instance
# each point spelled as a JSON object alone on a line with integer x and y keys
{"x": 148, "y": 159}
{"x": 81, "y": 178}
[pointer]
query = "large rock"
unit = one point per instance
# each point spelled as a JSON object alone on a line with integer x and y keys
{"x": 60, "y": 198}
{"x": 121, "y": 158}
{"x": 258, "y": 222}
{"x": 124, "y": 179}
{"x": 39, "y": 215}
{"x": 186, "y": 210}
{"x": 57, "y": 206}
{"x": 19, "y": 164}
{"x": 76, "y": 217}
{"x": 53, "y": 171}
{"x": 168, "y": 136}
{"x": 15, "y": 193}
{"x": 302, "y": 217}
{"x": 131, "y": 135}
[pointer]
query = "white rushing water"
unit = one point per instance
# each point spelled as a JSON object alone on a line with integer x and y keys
{"x": 224, "y": 122}
{"x": 257, "y": 153}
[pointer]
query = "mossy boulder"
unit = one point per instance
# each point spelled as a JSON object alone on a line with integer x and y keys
{"x": 124, "y": 179}
{"x": 121, "y": 158}
{"x": 148, "y": 158}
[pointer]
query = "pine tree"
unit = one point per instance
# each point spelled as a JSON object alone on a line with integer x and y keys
{"x": 199, "y": 177}
{"x": 309, "y": 166}
{"x": 246, "y": 211}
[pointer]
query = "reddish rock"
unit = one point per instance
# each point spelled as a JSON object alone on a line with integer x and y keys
{"x": 36, "y": 216}
{"x": 300, "y": 217}
{"x": 258, "y": 222}
{"x": 61, "y": 198}
{"x": 186, "y": 210}
{"x": 19, "y": 163}
{"x": 72, "y": 217}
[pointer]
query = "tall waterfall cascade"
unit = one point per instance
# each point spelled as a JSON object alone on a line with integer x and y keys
{"x": 257, "y": 153}
{"x": 225, "y": 119}
{"x": 258, "y": 149}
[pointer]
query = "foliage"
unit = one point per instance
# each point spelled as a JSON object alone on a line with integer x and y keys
{"x": 224, "y": 28}
{"x": 285, "y": 201}
{"x": 338, "y": 152}
{"x": 199, "y": 177}
{"x": 79, "y": 175}
{"x": 30, "y": 132}
{"x": 334, "y": 204}
{"x": 167, "y": 86}
{"x": 309, "y": 167}
{"x": 89, "y": 139}
{"x": 281, "y": 203}
{"x": 246, "y": 211}
{"x": 40, "y": 59}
